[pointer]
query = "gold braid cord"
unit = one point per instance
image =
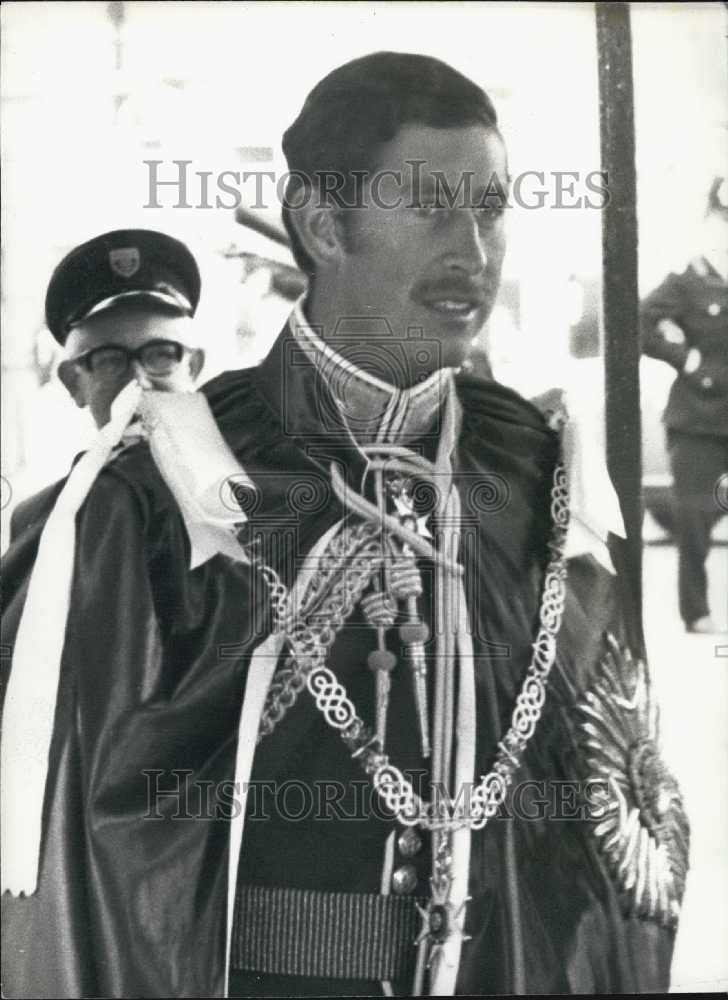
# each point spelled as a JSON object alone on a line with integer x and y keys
{"x": 357, "y": 554}
{"x": 343, "y": 574}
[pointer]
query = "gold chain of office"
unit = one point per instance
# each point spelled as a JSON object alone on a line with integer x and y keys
{"x": 473, "y": 808}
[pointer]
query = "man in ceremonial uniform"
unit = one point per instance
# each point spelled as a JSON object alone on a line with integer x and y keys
{"x": 348, "y": 702}
{"x": 685, "y": 323}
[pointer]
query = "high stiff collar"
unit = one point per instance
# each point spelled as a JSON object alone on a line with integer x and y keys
{"x": 320, "y": 392}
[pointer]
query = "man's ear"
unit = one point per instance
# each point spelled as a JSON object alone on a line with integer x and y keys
{"x": 196, "y": 361}
{"x": 318, "y": 228}
{"x": 69, "y": 374}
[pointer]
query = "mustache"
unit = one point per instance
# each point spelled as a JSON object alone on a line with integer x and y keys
{"x": 451, "y": 287}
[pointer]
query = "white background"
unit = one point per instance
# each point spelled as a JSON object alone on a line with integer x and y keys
{"x": 84, "y": 104}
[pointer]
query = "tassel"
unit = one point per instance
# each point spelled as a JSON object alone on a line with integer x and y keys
{"x": 380, "y": 611}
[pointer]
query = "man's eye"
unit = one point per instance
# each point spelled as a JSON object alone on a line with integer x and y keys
{"x": 157, "y": 354}
{"x": 108, "y": 362}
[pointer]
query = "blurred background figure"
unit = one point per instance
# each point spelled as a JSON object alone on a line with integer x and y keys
{"x": 685, "y": 323}
{"x": 267, "y": 283}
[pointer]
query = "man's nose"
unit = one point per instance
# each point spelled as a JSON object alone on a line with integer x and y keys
{"x": 468, "y": 250}
{"x": 144, "y": 380}
{"x": 147, "y": 381}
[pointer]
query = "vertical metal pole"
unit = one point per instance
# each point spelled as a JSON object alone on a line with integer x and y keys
{"x": 116, "y": 13}
{"x": 620, "y": 293}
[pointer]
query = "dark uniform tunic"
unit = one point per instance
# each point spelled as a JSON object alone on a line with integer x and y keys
{"x": 133, "y": 882}
{"x": 696, "y": 416}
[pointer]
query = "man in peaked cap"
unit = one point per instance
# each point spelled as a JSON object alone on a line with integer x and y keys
{"x": 351, "y": 752}
{"x": 122, "y": 306}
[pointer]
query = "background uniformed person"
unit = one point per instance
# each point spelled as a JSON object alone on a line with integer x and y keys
{"x": 121, "y": 305}
{"x": 685, "y": 323}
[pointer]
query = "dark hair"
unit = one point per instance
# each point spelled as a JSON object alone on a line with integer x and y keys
{"x": 362, "y": 105}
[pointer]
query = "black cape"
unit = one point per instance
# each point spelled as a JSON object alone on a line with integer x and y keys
{"x": 131, "y": 899}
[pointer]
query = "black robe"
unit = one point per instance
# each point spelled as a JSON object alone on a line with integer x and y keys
{"x": 132, "y": 892}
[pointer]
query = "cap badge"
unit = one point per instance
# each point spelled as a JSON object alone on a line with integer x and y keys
{"x": 124, "y": 261}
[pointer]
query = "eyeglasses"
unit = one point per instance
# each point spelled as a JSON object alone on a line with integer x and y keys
{"x": 158, "y": 357}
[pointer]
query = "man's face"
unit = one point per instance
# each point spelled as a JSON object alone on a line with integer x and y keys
{"x": 130, "y": 326}
{"x": 424, "y": 264}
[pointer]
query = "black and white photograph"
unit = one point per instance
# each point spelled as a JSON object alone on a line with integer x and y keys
{"x": 364, "y": 508}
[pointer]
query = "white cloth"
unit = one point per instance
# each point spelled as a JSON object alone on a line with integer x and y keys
{"x": 30, "y": 701}
{"x": 203, "y": 475}
{"x": 594, "y": 505}
{"x": 260, "y": 674}
{"x": 200, "y": 470}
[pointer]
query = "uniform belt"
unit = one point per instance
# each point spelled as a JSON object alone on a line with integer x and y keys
{"x": 338, "y": 935}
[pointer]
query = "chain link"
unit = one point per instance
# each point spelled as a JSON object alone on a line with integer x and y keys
{"x": 357, "y": 550}
{"x": 309, "y": 651}
{"x": 398, "y": 794}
